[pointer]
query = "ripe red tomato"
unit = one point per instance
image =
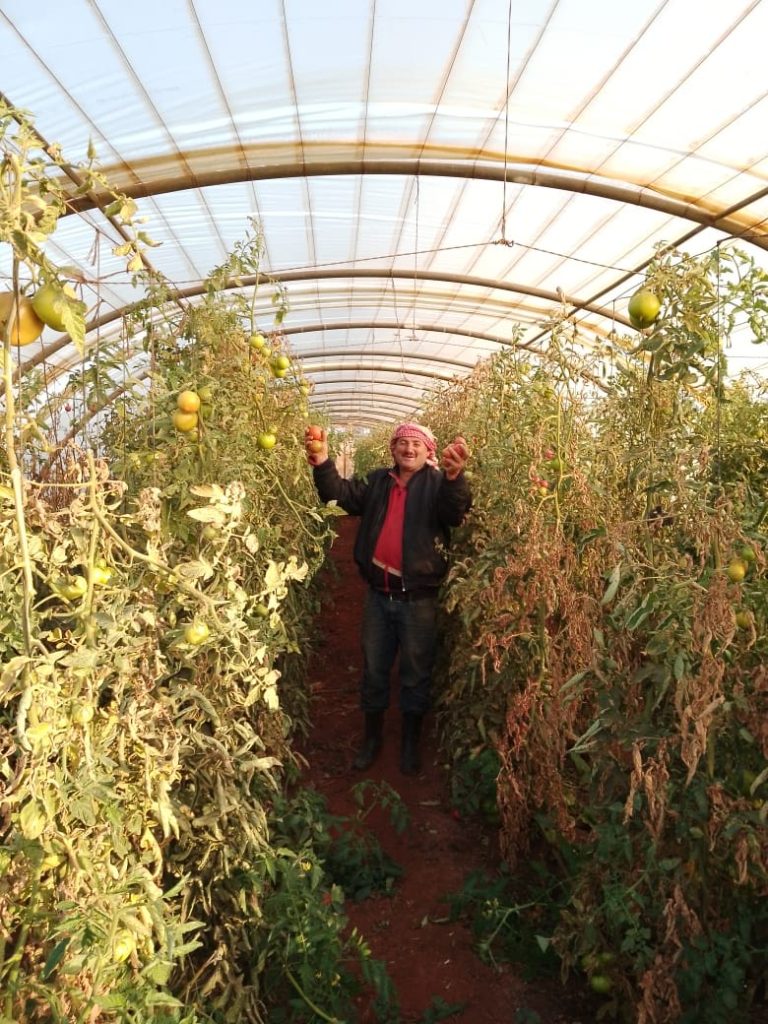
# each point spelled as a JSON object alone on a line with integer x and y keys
{"x": 314, "y": 433}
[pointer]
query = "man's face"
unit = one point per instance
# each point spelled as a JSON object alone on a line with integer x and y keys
{"x": 410, "y": 454}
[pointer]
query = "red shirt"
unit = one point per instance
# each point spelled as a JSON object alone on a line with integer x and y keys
{"x": 389, "y": 545}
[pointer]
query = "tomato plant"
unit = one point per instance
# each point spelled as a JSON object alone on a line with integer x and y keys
{"x": 100, "y": 691}
{"x": 611, "y": 629}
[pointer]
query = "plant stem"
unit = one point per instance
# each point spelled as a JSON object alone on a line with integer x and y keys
{"x": 313, "y": 1007}
{"x": 156, "y": 566}
{"x": 15, "y": 469}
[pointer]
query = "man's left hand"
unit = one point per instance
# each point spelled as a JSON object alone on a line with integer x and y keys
{"x": 454, "y": 457}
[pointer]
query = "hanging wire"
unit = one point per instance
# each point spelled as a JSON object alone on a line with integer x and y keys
{"x": 98, "y": 352}
{"x": 398, "y": 334}
{"x": 719, "y": 395}
{"x": 416, "y": 254}
{"x": 504, "y": 240}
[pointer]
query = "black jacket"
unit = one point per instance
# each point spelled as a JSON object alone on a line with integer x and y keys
{"x": 434, "y": 505}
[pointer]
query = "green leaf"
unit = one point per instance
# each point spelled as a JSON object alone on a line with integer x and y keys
{"x": 613, "y": 586}
{"x": 73, "y": 318}
{"x": 54, "y": 958}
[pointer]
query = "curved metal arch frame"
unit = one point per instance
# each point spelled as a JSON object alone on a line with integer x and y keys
{"x": 571, "y": 180}
{"x": 493, "y": 284}
{"x": 408, "y": 385}
{"x": 191, "y": 292}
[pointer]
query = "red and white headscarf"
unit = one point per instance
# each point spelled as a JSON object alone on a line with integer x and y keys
{"x": 416, "y": 430}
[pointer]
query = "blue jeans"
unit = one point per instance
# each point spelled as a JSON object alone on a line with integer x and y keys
{"x": 392, "y": 627}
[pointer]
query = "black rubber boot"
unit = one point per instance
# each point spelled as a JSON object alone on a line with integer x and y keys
{"x": 410, "y": 761}
{"x": 369, "y": 751}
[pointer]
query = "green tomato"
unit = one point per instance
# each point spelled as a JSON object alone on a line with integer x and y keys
{"x": 643, "y": 308}
{"x": 83, "y": 714}
{"x": 50, "y": 303}
{"x": 101, "y": 575}
{"x": 123, "y": 946}
{"x": 266, "y": 441}
{"x": 601, "y": 983}
{"x": 196, "y": 633}
{"x": 75, "y": 588}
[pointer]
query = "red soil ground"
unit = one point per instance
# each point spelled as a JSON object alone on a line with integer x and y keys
{"x": 427, "y": 955}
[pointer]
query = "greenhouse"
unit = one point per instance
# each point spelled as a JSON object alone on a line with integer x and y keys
{"x": 383, "y": 503}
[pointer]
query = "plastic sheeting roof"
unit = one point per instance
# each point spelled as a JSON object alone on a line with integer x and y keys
{"x": 427, "y": 174}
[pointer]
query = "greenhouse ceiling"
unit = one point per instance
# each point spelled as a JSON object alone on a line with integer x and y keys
{"x": 435, "y": 180}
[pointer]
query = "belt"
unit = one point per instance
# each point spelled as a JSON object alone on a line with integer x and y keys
{"x": 417, "y": 594}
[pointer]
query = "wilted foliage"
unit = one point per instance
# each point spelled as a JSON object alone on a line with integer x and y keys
{"x": 606, "y": 623}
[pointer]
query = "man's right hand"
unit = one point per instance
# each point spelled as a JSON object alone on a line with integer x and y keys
{"x": 316, "y": 445}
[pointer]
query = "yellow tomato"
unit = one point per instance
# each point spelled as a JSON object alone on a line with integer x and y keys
{"x": 736, "y": 571}
{"x": 188, "y": 401}
{"x": 184, "y": 421}
{"x": 27, "y": 325}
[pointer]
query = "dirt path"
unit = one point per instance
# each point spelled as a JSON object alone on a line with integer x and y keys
{"x": 428, "y": 957}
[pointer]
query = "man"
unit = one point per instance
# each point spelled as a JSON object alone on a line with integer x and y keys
{"x": 407, "y": 512}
